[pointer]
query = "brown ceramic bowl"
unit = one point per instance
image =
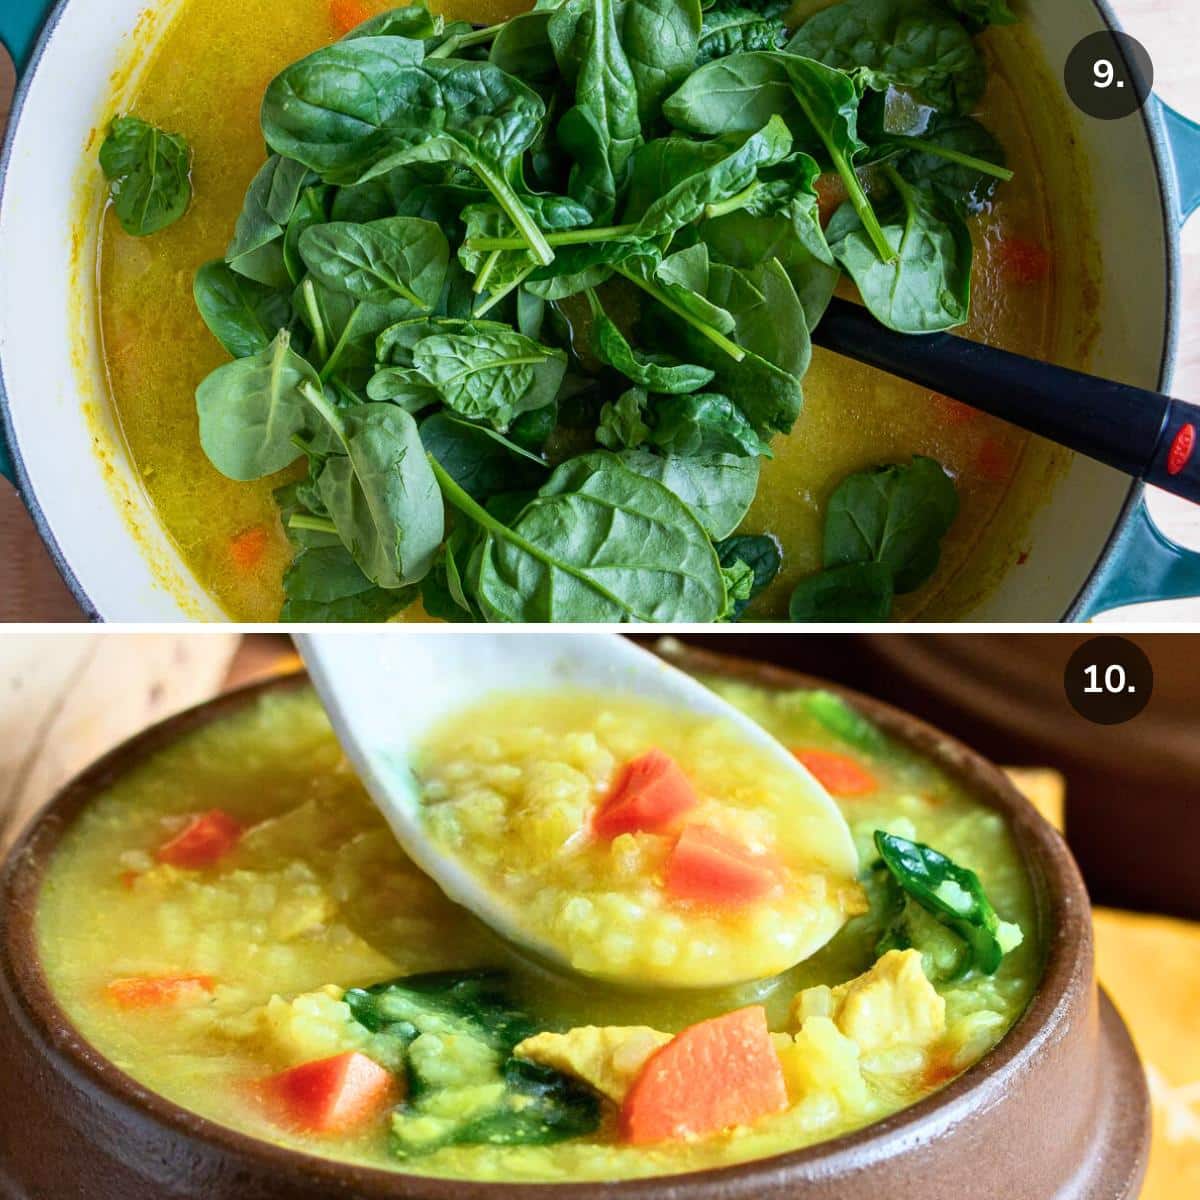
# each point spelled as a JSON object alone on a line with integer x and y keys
{"x": 1058, "y": 1109}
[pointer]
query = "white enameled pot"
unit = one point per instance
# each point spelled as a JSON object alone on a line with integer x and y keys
{"x": 1093, "y": 545}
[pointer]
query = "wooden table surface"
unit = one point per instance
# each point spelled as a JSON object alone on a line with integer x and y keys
{"x": 33, "y": 590}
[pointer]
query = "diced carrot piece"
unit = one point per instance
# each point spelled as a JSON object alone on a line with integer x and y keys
{"x": 715, "y": 1075}
{"x": 202, "y": 842}
{"x": 248, "y": 547}
{"x": 709, "y": 867}
{"x": 994, "y": 461}
{"x": 332, "y": 1095}
{"x": 156, "y": 991}
{"x": 953, "y": 412}
{"x": 346, "y": 15}
{"x": 831, "y": 195}
{"x": 129, "y": 879}
{"x": 1024, "y": 261}
{"x": 838, "y": 774}
{"x": 650, "y": 794}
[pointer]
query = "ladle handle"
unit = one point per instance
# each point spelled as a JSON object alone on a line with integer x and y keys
{"x": 1145, "y": 434}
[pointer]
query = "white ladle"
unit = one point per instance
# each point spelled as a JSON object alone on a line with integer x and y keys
{"x": 385, "y": 691}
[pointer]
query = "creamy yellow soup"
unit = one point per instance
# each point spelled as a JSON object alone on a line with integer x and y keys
{"x": 316, "y": 898}
{"x": 512, "y": 788}
{"x": 206, "y": 81}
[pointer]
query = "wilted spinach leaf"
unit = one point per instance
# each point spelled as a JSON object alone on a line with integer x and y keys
{"x": 762, "y": 554}
{"x": 148, "y": 173}
{"x": 242, "y": 315}
{"x": 325, "y": 584}
{"x": 861, "y": 592}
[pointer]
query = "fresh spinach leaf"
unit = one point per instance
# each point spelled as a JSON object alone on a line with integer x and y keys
{"x": 621, "y": 426}
{"x": 490, "y": 372}
{"x": 599, "y": 543}
{"x": 794, "y": 238}
{"x": 481, "y": 461}
{"x": 379, "y": 491}
{"x": 772, "y": 334}
{"x": 673, "y": 180}
{"x": 358, "y": 109}
{"x": 257, "y": 249}
{"x": 730, "y": 28}
{"x": 412, "y": 21}
{"x": 895, "y": 516}
{"x": 743, "y": 92}
{"x": 382, "y": 262}
{"x": 660, "y": 39}
{"x": 913, "y": 44}
{"x": 763, "y": 556}
{"x": 704, "y": 423}
{"x": 953, "y": 895}
{"x": 252, "y": 409}
{"x": 655, "y": 373}
{"x": 979, "y": 14}
{"x": 148, "y": 173}
{"x": 603, "y": 129}
{"x": 955, "y": 157}
{"x": 404, "y": 386}
{"x": 717, "y": 488}
{"x": 926, "y": 287}
{"x": 522, "y": 48}
{"x": 325, "y": 584}
{"x": 242, "y": 315}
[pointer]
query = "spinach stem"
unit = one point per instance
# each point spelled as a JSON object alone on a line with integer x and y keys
{"x": 457, "y": 497}
{"x": 453, "y": 45}
{"x": 487, "y": 305}
{"x": 309, "y": 293}
{"x": 568, "y": 237}
{"x": 732, "y": 204}
{"x": 315, "y": 524}
{"x": 508, "y": 200}
{"x": 715, "y": 336}
{"x": 956, "y": 156}
{"x": 862, "y": 206}
{"x": 325, "y": 409}
{"x": 331, "y": 363}
{"x": 489, "y": 265}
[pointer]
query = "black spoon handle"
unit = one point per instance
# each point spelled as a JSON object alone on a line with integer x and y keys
{"x": 1144, "y": 434}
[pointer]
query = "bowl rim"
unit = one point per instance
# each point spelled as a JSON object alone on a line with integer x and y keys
{"x": 1062, "y": 914}
{"x": 1166, "y": 184}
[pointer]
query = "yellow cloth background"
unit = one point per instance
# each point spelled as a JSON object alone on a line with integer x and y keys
{"x": 1150, "y": 966}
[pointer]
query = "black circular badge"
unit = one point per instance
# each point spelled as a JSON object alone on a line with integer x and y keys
{"x": 1109, "y": 75}
{"x": 1109, "y": 680}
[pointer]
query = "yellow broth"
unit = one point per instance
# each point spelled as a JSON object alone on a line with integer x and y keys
{"x": 317, "y": 897}
{"x": 206, "y": 81}
{"x": 511, "y": 788}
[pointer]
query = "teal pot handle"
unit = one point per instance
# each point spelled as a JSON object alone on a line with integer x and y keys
{"x": 1183, "y": 144}
{"x": 20, "y": 21}
{"x": 1143, "y": 564}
